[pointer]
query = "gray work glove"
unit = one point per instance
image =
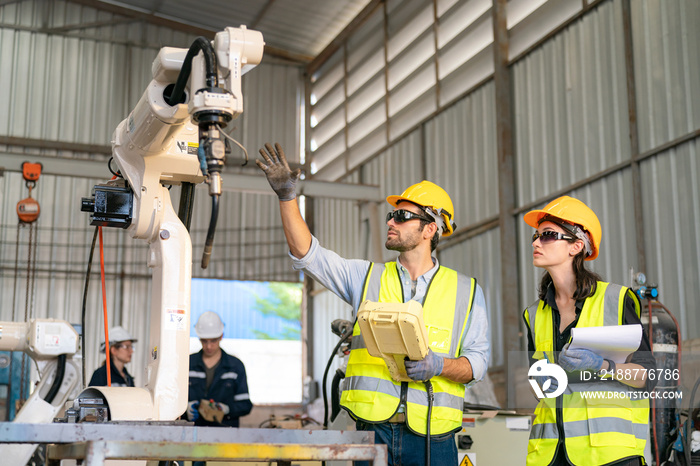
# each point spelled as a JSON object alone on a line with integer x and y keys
{"x": 579, "y": 360}
{"x": 281, "y": 178}
{"x": 425, "y": 369}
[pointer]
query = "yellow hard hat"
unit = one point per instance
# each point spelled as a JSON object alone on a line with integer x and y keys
{"x": 574, "y": 212}
{"x": 427, "y": 194}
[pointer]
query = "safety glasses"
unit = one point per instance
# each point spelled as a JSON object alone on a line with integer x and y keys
{"x": 549, "y": 236}
{"x": 402, "y": 215}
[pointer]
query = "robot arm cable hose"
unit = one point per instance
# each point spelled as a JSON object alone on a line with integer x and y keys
{"x": 58, "y": 381}
{"x": 236, "y": 143}
{"x": 210, "y": 233}
{"x": 344, "y": 337}
{"x": 200, "y": 43}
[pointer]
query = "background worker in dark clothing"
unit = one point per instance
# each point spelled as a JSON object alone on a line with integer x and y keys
{"x": 218, "y": 391}
{"x": 121, "y": 348}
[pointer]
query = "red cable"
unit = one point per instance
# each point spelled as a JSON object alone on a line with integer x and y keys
{"x": 678, "y": 329}
{"x": 653, "y": 401}
{"x": 651, "y": 344}
{"x": 104, "y": 308}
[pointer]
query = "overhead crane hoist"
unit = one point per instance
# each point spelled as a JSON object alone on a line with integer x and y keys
{"x": 28, "y": 209}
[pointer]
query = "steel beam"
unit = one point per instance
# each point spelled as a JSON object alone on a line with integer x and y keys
{"x": 237, "y": 182}
{"x": 165, "y": 431}
{"x": 506, "y": 185}
{"x": 634, "y": 136}
{"x": 96, "y": 452}
{"x": 178, "y": 440}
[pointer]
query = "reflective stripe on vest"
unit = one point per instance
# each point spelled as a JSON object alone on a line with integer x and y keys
{"x": 601, "y": 425}
{"x": 596, "y": 430}
{"x": 370, "y": 394}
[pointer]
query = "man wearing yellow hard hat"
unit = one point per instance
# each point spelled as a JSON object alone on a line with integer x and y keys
{"x": 454, "y": 310}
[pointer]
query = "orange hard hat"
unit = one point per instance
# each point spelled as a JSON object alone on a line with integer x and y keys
{"x": 428, "y": 194}
{"x": 571, "y": 211}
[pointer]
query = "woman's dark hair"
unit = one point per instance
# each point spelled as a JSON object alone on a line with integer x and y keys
{"x": 586, "y": 281}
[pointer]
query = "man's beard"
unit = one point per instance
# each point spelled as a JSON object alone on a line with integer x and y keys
{"x": 396, "y": 243}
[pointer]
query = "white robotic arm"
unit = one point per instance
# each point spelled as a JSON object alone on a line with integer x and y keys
{"x": 52, "y": 345}
{"x": 172, "y": 136}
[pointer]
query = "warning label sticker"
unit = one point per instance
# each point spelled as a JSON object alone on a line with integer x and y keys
{"x": 175, "y": 319}
{"x": 467, "y": 461}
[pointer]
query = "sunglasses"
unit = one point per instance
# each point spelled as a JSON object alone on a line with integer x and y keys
{"x": 549, "y": 236}
{"x": 402, "y": 215}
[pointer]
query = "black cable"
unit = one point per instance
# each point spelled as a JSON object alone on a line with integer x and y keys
{"x": 209, "y": 244}
{"x": 342, "y": 340}
{"x": 117, "y": 173}
{"x": 85, "y": 292}
{"x": 58, "y": 380}
{"x": 335, "y": 393}
{"x": 199, "y": 44}
{"x": 429, "y": 388}
{"x": 186, "y": 204}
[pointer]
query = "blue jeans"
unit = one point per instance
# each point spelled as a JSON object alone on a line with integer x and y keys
{"x": 407, "y": 449}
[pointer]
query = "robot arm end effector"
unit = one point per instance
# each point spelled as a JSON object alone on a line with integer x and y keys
{"x": 212, "y": 107}
{"x": 234, "y": 52}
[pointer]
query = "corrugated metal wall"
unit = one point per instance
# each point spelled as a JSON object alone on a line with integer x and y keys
{"x": 572, "y": 121}
{"x": 74, "y": 85}
{"x": 570, "y": 104}
{"x": 671, "y": 197}
{"x": 477, "y": 257}
{"x": 460, "y": 143}
{"x": 666, "y": 69}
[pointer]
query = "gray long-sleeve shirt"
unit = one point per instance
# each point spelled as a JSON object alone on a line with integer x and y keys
{"x": 346, "y": 278}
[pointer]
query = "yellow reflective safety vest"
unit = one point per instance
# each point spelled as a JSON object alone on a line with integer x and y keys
{"x": 369, "y": 392}
{"x": 598, "y": 428}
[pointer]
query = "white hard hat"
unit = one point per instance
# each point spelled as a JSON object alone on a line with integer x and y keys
{"x": 209, "y": 325}
{"x": 116, "y": 335}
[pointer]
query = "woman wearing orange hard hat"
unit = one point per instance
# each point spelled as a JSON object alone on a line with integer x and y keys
{"x": 610, "y": 427}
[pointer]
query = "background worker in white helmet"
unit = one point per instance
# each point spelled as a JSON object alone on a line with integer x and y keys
{"x": 218, "y": 387}
{"x": 607, "y": 429}
{"x": 121, "y": 348}
{"x": 453, "y": 305}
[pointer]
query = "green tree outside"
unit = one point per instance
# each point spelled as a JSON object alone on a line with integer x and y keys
{"x": 284, "y": 302}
